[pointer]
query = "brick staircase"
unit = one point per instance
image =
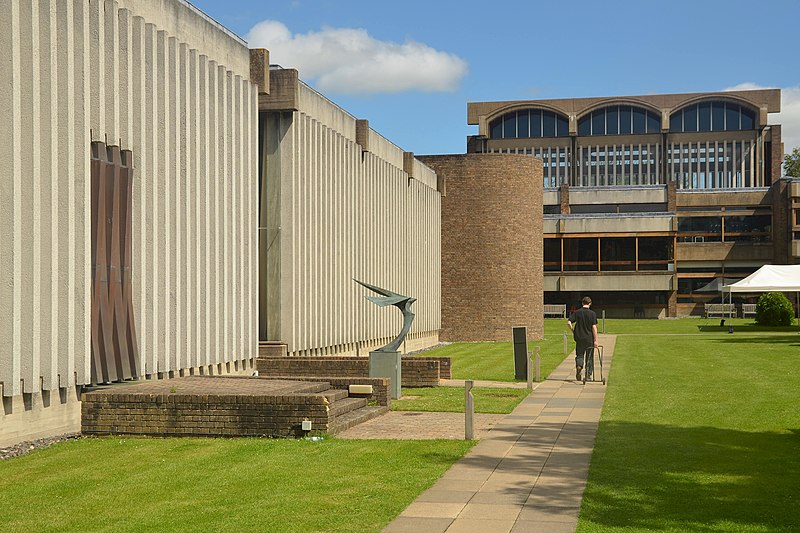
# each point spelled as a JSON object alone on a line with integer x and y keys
{"x": 345, "y": 411}
{"x": 230, "y": 406}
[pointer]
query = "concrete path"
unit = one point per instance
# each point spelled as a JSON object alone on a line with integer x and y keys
{"x": 530, "y": 471}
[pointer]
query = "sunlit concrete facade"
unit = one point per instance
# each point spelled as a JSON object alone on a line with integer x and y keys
{"x": 650, "y": 201}
{"x": 160, "y": 79}
{"x": 338, "y": 202}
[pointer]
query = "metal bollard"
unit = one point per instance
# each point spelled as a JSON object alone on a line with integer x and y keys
{"x": 529, "y": 371}
{"x": 469, "y": 411}
{"x": 565, "y": 344}
{"x": 538, "y": 366}
{"x": 604, "y": 321}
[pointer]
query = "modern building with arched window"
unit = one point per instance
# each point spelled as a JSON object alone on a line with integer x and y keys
{"x": 650, "y": 200}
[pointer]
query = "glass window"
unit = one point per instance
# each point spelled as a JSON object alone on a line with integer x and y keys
{"x": 612, "y": 120}
{"x": 676, "y": 121}
{"x": 690, "y": 118}
{"x": 653, "y": 122}
{"x": 496, "y": 129}
{"x": 536, "y": 123}
{"x": 522, "y": 125}
{"x": 704, "y": 116}
{"x": 599, "y": 122}
{"x": 718, "y": 116}
{"x": 731, "y": 117}
{"x": 639, "y": 121}
{"x": 700, "y": 229}
{"x": 580, "y": 254}
{"x": 617, "y": 253}
{"x": 562, "y": 125}
{"x": 748, "y": 119}
{"x": 548, "y": 124}
{"x": 585, "y": 126}
{"x": 552, "y": 255}
{"x": 624, "y": 120}
{"x": 510, "y": 126}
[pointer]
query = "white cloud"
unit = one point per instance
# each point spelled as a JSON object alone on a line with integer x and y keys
{"x": 788, "y": 118}
{"x": 350, "y": 61}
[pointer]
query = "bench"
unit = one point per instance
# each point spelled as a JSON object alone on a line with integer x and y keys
{"x": 559, "y": 310}
{"x": 748, "y": 310}
{"x": 720, "y": 310}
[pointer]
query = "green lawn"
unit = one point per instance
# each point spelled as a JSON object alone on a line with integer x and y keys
{"x": 494, "y": 361}
{"x": 451, "y": 399}
{"x": 699, "y": 432}
{"x": 123, "y": 484}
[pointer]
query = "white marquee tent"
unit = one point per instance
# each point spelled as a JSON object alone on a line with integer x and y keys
{"x": 768, "y": 278}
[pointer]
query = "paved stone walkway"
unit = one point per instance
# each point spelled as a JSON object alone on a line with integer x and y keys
{"x": 528, "y": 473}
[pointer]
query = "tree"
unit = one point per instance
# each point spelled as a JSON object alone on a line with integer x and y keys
{"x": 791, "y": 164}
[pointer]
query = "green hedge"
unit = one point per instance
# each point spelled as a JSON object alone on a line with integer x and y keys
{"x": 774, "y": 309}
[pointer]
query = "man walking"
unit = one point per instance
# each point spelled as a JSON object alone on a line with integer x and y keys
{"x": 583, "y": 324}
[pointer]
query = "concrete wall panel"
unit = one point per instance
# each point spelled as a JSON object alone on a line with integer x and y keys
{"x": 160, "y": 79}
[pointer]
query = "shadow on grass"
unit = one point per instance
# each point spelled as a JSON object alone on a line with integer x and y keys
{"x": 656, "y": 477}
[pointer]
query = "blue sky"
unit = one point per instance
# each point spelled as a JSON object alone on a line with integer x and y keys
{"x": 442, "y": 55}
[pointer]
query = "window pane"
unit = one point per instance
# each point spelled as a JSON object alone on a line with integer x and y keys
{"x": 522, "y": 124}
{"x": 599, "y": 122}
{"x": 676, "y": 121}
{"x": 585, "y": 126}
{"x": 704, "y": 116}
{"x": 624, "y": 120}
{"x": 562, "y": 126}
{"x": 510, "y": 126}
{"x": 717, "y": 116}
{"x": 496, "y": 129}
{"x": 748, "y": 119}
{"x": 690, "y": 118}
{"x": 536, "y": 123}
{"x": 548, "y": 124}
{"x": 653, "y": 123}
{"x": 612, "y": 120}
{"x": 639, "y": 124}
{"x": 731, "y": 116}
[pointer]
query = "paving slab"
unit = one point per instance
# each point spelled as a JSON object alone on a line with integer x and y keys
{"x": 529, "y": 470}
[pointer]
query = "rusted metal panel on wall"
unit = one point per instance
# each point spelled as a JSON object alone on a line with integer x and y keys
{"x": 115, "y": 353}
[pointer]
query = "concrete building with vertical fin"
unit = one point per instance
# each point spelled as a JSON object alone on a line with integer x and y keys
{"x": 651, "y": 201}
{"x": 169, "y": 202}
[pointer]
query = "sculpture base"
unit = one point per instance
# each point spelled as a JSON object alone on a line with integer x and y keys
{"x": 386, "y": 365}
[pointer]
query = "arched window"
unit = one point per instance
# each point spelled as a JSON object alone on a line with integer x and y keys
{"x": 619, "y": 120}
{"x": 716, "y": 115}
{"x": 529, "y": 123}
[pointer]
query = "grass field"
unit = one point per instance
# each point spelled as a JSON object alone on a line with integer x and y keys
{"x": 280, "y": 485}
{"x": 700, "y": 431}
{"x": 451, "y": 399}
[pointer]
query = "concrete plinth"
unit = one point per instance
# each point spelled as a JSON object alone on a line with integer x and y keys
{"x": 386, "y": 365}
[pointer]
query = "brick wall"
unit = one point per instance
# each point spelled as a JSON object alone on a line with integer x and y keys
{"x": 445, "y": 365}
{"x": 492, "y": 272}
{"x": 201, "y": 415}
{"x": 415, "y": 371}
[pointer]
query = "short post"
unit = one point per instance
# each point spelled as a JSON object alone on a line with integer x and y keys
{"x": 565, "y": 344}
{"x": 529, "y": 371}
{"x": 469, "y": 411}
{"x": 604, "y": 321}
{"x": 538, "y": 365}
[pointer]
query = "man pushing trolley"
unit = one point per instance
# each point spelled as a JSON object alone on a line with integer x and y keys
{"x": 583, "y": 324}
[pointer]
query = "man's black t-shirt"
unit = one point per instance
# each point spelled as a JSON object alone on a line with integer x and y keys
{"x": 582, "y": 321}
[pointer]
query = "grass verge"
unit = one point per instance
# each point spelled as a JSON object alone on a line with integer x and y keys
{"x": 121, "y": 484}
{"x": 451, "y": 399}
{"x": 699, "y": 433}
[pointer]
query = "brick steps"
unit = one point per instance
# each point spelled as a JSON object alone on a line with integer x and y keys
{"x": 345, "y": 405}
{"x": 353, "y": 418}
{"x": 334, "y": 395}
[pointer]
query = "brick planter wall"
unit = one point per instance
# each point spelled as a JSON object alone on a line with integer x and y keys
{"x": 380, "y": 386}
{"x": 415, "y": 371}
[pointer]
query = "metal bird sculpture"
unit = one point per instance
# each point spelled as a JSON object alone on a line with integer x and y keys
{"x": 398, "y": 300}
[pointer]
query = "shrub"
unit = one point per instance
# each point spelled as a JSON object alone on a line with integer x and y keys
{"x": 774, "y": 309}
